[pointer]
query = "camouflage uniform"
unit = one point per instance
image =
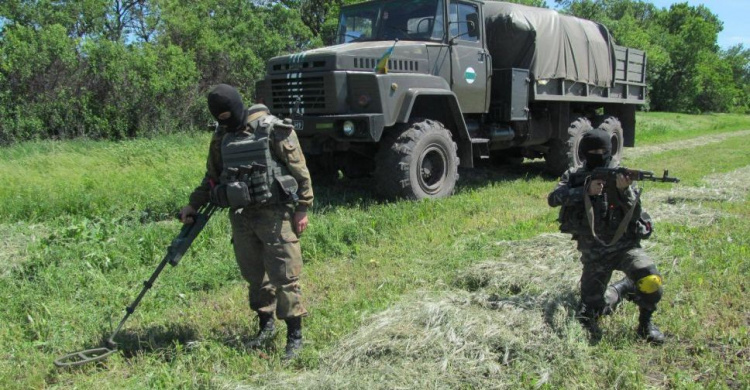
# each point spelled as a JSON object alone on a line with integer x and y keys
{"x": 265, "y": 244}
{"x": 599, "y": 261}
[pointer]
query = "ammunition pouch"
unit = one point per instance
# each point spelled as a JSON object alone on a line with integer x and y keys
{"x": 288, "y": 186}
{"x": 253, "y": 192}
{"x": 260, "y": 193}
{"x": 572, "y": 220}
{"x": 238, "y": 195}
{"x": 234, "y": 194}
{"x": 218, "y": 196}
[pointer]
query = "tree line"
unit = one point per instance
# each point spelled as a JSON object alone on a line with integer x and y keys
{"x": 126, "y": 68}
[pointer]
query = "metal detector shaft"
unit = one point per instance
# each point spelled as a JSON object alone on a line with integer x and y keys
{"x": 175, "y": 251}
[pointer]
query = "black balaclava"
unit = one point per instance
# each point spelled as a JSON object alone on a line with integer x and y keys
{"x": 592, "y": 140}
{"x": 225, "y": 98}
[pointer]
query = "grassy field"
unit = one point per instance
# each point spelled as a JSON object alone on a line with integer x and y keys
{"x": 474, "y": 291}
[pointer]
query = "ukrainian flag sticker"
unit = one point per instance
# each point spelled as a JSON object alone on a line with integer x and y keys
{"x": 470, "y": 75}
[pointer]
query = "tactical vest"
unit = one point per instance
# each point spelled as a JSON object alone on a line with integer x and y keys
{"x": 251, "y": 176}
{"x": 608, "y": 217}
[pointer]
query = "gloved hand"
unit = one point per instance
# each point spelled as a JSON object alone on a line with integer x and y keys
{"x": 186, "y": 215}
{"x": 623, "y": 181}
{"x": 596, "y": 187}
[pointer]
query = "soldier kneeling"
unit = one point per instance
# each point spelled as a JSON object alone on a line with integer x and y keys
{"x": 606, "y": 220}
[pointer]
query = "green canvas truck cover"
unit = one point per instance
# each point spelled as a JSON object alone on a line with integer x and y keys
{"x": 547, "y": 43}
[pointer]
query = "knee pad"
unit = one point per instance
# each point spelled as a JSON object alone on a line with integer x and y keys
{"x": 649, "y": 284}
{"x": 647, "y": 300}
{"x": 647, "y": 280}
{"x": 648, "y": 287}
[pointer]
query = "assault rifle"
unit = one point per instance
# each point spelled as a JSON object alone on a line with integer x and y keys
{"x": 175, "y": 251}
{"x": 578, "y": 179}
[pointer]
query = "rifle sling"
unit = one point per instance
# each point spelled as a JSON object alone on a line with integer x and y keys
{"x": 620, "y": 229}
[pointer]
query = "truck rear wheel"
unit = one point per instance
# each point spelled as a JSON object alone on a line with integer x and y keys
{"x": 563, "y": 154}
{"x": 612, "y": 126}
{"x": 417, "y": 161}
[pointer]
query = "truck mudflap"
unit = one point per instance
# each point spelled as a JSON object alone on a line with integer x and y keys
{"x": 350, "y": 128}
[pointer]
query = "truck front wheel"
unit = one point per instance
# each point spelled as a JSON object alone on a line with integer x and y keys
{"x": 417, "y": 161}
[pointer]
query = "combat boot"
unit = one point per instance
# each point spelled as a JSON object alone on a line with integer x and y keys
{"x": 592, "y": 326}
{"x": 266, "y": 331}
{"x": 293, "y": 338}
{"x": 647, "y": 330}
{"x": 590, "y": 321}
{"x": 616, "y": 293}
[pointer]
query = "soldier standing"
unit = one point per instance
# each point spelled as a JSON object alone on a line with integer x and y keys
{"x": 256, "y": 168}
{"x": 608, "y": 239}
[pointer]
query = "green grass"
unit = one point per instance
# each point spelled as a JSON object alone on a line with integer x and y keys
{"x": 100, "y": 179}
{"x": 660, "y": 127}
{"x": 84, "y": 223}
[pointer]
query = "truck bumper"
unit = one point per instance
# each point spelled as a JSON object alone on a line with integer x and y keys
{"x": 367, "y": 127}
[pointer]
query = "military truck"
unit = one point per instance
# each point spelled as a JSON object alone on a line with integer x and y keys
{"x": 416, "y": 88}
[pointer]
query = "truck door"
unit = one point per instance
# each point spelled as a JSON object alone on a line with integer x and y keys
{"x": 469, "y": 59}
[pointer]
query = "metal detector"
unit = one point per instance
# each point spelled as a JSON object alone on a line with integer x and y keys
{"x": 175, "y": 251}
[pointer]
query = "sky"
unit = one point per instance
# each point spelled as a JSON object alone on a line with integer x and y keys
{"x": 733, "y": 13}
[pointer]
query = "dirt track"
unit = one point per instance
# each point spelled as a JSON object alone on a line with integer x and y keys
{"x": 640, "y": 151}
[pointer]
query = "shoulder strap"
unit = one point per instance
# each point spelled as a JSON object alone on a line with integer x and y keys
{"x": 620, "y": 229}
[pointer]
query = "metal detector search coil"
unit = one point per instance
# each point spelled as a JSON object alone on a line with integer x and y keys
{"x": 84, "y": 357}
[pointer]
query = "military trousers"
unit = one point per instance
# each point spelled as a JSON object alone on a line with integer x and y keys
{"x": 598, "y": 266}
{"x": 269, "y": 257}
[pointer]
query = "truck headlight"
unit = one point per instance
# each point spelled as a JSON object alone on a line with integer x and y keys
{"x": 363, "y": 100}
{"x": 349, "y": 128}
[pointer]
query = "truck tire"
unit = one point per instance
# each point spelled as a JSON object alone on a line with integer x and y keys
{"x": 563, "y": 154}
{"x": 577, "y": 129}
{"x": 417, "y": 161}
{"x": 613, "y": 126}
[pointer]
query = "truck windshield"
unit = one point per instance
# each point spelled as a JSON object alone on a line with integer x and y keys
{"x": 417, "y": 20}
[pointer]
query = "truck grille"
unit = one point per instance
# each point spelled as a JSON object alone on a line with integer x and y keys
{"x": 393, "y": 65}
{"x": 309, "y": 89}
{"x": 298, "y": 65}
